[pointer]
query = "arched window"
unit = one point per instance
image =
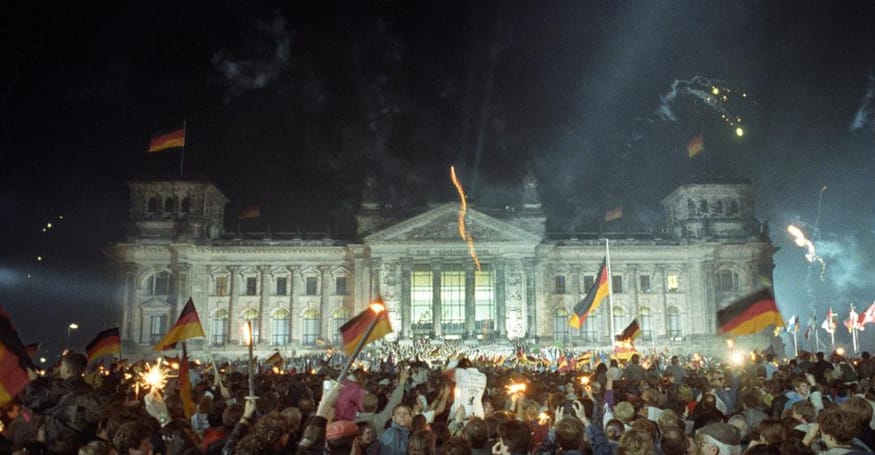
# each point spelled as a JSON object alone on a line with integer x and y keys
{"x": 160, "y": 283}
{"x": 646, "y": 320}
{"x": 152, "y": 205}
{"x": 718, "y": 207}
{"x": 591, "y": 326}
{"x": 338, "y": 318}
{"x": 169, "y": 205}
{"x": 185, "y": 205}
{"x": 251, "y": 315}
{"x": 727, "y": 281}
{"x": 733, "y": 207}
{"x": 219, "y": 327}
{"x": 673, "y": 322}
{"x": 311, "y": 327}
{"x": 560, "y": 324}
{"x": 280, "y": 327}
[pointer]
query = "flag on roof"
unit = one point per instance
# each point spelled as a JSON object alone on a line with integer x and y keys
{"x": 695, "y": 146}
{"x": 249, "y": 213}
{"x": 593, "y": 299}
{"x": 187, "y": 326}
{"x": 750, "y": 314}
{"x": 614, "y": 214}
{"x": 354, "y": 330}
{"x": 167, "y": 140}
{"x": 107, "y": 342}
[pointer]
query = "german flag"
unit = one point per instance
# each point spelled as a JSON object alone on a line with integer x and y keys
{"x": 695, "y": 146}
{"x": 614, "y": 214}
{"x": 249, "y": 213}
{"x": 632, "y": 331}
{"x": 275, "y": 360}
{"x": 187, "y": 326}
{"x": 355, "y": 329}
{"x": 166, "y": 141}
{"x": 593, "y": 298}
{"x": 14, "y": 360}
{"x": 105, "y": 343}
{"x": 188, "y": 405}
{"x": 749, "y": 315}
{"x": 32, "y": 349}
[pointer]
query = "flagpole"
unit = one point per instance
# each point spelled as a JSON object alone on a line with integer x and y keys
{"x": 182, "y": 155}
{"x": 795, "y": 345}
{"x": 251, "y": 361}
{"x": 832, "y": 333}
{"x": 853, "y": 318}
{"x": 360, "y": 345}
{"x": 610, "y": 290}
{"x": 816, "y": 334}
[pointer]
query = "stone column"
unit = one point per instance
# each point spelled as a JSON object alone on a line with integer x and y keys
{"x": 531, "y": 320}
{"x": 264, "y": 272}
{"x": 470, "y": 312}
{"x": 293, "y": 270}
{"x": 233, "y": 271}
{"x": 436, "y": 298}
{"x": 404, "y": 298}
{"x": 129, "y": 295}
{"x": 501, "y": 298}
{"x": 324, "y": 306}
{"x": 377, "y": 265}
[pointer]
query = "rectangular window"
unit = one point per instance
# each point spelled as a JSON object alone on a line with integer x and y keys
{"x": 420, "y": 301}
{"x": 672, "y": 282}
{"x": 157, "y": 327}
{"x": 340, "y": 285}
{"x": 559, "y": 284}
{"x": 221, "y": 286}
{"x": 251, "y": 285}
{"x": 644, "y": 283}
{"x": 280, "y": 331}
{"x": 590, "y": 329}
{"x": 220, "y": 331}
{"x": 311, "y": 331}
{"x": 311, "y": 285}
{"x": 453, "y": 302}
{"x": 484, "y": 301}
{"x": 617, "y": 284}
{"x": 282, "y": 286}
{"x": 588, "y": 282}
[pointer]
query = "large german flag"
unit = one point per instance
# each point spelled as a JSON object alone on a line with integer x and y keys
{"x": 355, "y": 329}
{"x": 187, "y": 326}
{"x": 749, "y": 315}
{"x": 106, "y": 343}
{"x": 164, "y": 141}
{"x": 630, "y": 332}
{"x": 593, "y": 299}
{"x": 14, "y": 361}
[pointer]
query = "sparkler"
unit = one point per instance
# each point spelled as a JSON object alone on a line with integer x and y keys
{"x": 153, "y": 377}
{"x": 247, "y": 338}
{"x": 514, "y": 388}
{"x": 463, "y": 210}
{"x": 717, "y": 95}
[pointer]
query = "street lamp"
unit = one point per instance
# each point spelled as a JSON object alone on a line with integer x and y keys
{"x": 71, "y": 327}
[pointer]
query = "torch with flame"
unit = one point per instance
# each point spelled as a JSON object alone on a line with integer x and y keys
{"x": 515, "y": 388}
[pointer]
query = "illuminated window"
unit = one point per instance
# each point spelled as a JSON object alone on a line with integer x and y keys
{"x": 672, "y": 282}
{"x": 484, "y": 301}
{"x": 673, "y": 322}
{"x": 251, "y": 285}
{"x": 453, "y": 302}
{"x": 311, "y": 285}
{"x": 311, "y": 327}
{"x": 280, "y": 327}
{"x": 219, "y": 327}
{"x": 420, "y": 301}
{"x": 221, "y": 286}
{"x": 282, "y": 286}
{"x": 559, "y": 284}
{"x": 560, "y": 324}
{"x": 340, "y": 285}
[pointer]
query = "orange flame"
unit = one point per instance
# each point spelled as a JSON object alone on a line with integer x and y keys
{"x": 463, "y": 210}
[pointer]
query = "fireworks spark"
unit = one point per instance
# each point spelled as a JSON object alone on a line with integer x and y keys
{"x": 463, "y": 210}
{"x": 718, "y": 96}
{"x": 810, "y": 252}
{"x": 154, "y": 377}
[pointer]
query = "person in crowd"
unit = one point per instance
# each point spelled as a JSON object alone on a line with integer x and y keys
{"x": 718, "y": 439}
{"x": 395, "y": 439}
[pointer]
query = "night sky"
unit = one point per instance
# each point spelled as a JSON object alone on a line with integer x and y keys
{"x": 287, "y": 104}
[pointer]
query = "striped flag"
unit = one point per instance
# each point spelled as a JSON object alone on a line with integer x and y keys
{"x": 829, "y": 324}
{"x": 793, "y": 324}
{"x": 165, "y": 141}
{"x": 867, "y": 316}
{"x": 107, "y": 342}
{"x": 32, "y": 349}
{"x": 249, "y": 213}
{"x": 632, "y": 331}
{"x": 593, "y": 299}
{"x": 14, "y": 360}
{"x": 695, "y": 146}
{"x": 355, "y": 329}
{"x": 188, "y": 405}
{"x": 614, "y": 214}
{"x": 187, "y": 326}
{"x": 749, "y": 315}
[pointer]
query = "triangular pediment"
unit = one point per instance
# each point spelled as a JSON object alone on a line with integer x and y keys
{"x": 441, "y": 224}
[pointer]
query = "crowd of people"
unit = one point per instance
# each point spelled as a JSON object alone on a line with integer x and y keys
{"x": 659, "y": 404}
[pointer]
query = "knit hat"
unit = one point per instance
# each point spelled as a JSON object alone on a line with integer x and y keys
{"x": 341, "y": 428}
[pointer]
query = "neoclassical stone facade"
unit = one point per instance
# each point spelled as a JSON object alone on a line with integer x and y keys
{"x": 297, "y": 291}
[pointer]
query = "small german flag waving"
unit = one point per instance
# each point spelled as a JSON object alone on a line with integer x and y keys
{"x": 167, "y": 140}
